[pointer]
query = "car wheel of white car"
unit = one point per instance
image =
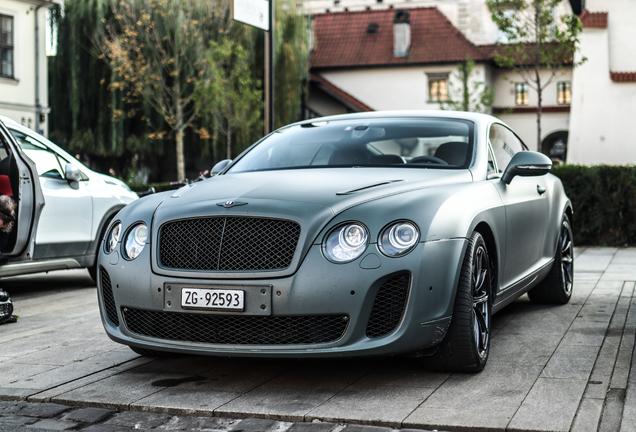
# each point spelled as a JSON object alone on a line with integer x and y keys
{"x": 466, "y": 345}
{"x": 556, "y": 288}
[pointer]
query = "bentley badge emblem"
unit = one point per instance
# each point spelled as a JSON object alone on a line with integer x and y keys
{"x": 228, "y": 204}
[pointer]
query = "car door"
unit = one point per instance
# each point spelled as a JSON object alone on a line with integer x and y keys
{"x": 526, "y": 204}
{"x": 23, "y": 185}
{"x": 66, "y": 221}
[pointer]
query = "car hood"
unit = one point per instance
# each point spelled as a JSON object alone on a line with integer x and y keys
{"x": 335, "y": 188}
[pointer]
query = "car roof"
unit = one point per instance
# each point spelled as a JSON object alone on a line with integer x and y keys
{"x": 475, "y": 117}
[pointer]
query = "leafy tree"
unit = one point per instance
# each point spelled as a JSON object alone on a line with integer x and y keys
{"x": 230, "y": 92}
{"x": 156, "y": 49}
{"x": 291, "y": 58}
{"x": 537, "y": 42}
{"x": 473, "y": 96}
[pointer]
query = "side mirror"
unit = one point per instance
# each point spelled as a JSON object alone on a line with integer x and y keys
{"x": 73, "y": 175}
{"x": 527, "y": 164}
{"x": 220, "y": 166}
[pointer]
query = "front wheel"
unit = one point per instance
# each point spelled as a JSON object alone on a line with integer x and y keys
{"x": 556, "y": 288}
{"x": 466, "y": 345}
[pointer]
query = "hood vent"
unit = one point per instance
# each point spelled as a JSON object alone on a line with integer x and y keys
{"x": 363, "y": 188}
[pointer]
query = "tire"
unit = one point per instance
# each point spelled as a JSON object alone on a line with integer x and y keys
{"x": 556, "y": 288}
{"x": 153, "y": 353}
{"x": 466, "y": 346}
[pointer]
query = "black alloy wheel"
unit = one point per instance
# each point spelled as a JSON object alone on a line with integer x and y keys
{"x": 466, "y": 346}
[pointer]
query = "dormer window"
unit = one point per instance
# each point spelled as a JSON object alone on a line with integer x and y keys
{"x": 373, "y": 28}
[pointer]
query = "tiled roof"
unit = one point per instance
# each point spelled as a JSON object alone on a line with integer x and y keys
{"x": 341, "y": 40}
{"x": 623, "y": 76}
{"x": 593, "y": 19}
{"x": 339, "y": 94}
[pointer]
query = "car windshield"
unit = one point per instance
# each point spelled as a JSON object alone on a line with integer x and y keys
{"x": 399, "y": 143}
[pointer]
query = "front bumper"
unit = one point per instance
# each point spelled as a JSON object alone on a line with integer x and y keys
{"x": 347, "y": 292}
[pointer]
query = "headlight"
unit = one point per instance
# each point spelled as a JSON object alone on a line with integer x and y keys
{"x": 136, "y": 240}
{"x": 113, "y": 238}
{"x": 398, "y": 239}
{"x": 346, "y": 243}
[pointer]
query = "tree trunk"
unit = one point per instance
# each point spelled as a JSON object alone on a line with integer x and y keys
{"x": 180, "y": 161}
{"x": 229, "y": 142}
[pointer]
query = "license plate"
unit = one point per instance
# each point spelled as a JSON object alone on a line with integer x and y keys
{"x": 213, "y": 299}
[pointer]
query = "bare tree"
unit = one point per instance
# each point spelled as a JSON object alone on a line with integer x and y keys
{"x": 537, "y": 42}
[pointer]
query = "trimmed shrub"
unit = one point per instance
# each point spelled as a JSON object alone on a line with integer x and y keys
{"x": 604, "y": 201}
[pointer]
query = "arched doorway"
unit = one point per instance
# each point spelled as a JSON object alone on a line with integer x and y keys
{"x": 555, "y": 145}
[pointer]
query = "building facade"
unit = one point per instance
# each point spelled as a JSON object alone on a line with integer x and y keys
{"x": 23, "y": 64}
{"x": 604, "y": 87}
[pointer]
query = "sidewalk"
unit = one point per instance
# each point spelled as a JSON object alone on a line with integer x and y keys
{"x": 552, "y": 368}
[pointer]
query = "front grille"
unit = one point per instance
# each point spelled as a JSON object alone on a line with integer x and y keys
{"x": 389, "y": 306}
{"x": 236, "y": 330}
{"x": 107, "y": 295}
{"x": 228, "y": 243}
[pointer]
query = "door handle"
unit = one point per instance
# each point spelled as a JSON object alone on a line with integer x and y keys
{"x": 541, "y": 190}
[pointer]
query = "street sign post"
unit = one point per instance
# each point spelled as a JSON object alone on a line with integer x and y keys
{"x": 260, "y": 14}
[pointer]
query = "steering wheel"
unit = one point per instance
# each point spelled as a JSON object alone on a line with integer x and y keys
{"x": 432, "y": 159}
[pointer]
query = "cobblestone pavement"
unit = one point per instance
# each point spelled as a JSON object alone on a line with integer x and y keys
{"x": 51, "y": 416}
{"x": 551, "y": 368}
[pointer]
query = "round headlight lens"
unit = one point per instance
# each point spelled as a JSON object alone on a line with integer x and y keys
{"x": 136, "y": 240}
{"x": 399, "y": 239}
{"x": 346, "y": 243}
{"x": 113, "y": 238}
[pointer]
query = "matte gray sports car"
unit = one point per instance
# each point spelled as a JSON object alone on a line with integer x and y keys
{"x": 359, "y": 234}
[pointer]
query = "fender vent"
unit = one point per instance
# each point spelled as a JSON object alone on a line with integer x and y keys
{"x": 107, "y": 295}
{"x": 389, "y": 305}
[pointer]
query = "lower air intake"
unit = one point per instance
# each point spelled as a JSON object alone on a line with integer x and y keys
{"x": 236, "y": 330}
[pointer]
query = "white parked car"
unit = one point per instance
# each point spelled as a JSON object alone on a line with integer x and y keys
{"x": 63, "y": 206}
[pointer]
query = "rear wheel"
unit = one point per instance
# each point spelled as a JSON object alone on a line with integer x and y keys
{"x": 556, "y": 288}
{"x": 466, "y": 345}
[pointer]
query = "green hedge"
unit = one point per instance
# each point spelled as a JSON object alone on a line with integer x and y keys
{"x": 604, "y": 200}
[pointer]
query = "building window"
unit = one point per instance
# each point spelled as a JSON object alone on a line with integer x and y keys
{"x": 564, "y": 92}
{"x": 521, "y": 94}
{"x": 6, "y": 46}
{"x": 437, "y": 87}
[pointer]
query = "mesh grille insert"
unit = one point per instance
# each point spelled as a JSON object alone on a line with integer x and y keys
{"x": 107, "y": 295}
{"x": 236, "y": 330}
{"x": 228, "y": 243}
{"x": 389, "y": 306}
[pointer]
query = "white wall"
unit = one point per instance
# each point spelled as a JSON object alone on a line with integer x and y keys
{"x": 17, "y": 96}
{"x": 396, "y": 88}
{"x": 603, "y": 111}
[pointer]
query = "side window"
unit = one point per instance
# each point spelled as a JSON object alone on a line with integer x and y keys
{"x": 491, "y": 162}
{"x": 49, "y": 164}
{"x": 504, "y": 145}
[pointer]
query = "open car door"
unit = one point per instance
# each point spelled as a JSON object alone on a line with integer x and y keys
{"x": 19, "y": 179}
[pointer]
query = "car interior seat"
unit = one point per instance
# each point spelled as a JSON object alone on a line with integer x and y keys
{"x": 453, "y": 153}
{"x": 349, "y": 156}
{"x": 388, "y": 159}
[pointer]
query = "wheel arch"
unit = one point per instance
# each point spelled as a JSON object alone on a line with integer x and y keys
{"x": 491, "y": 245}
